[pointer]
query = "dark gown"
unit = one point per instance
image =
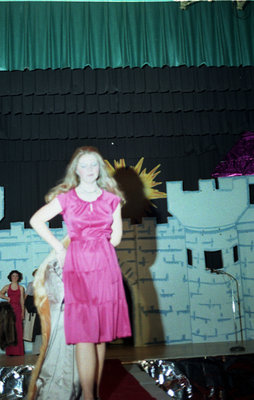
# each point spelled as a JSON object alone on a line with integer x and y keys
{"x": 17, "y": 350}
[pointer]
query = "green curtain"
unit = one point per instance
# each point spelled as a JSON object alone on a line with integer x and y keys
{"x": 41, "y": 35}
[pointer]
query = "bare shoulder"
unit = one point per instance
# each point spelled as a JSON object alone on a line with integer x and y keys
{"x": 5, "y": 288}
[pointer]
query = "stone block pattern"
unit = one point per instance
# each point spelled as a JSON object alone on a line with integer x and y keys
{"x": 172, "y": 301}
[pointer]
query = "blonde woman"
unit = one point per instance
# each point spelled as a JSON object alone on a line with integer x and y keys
{"x": 95, "y": 310}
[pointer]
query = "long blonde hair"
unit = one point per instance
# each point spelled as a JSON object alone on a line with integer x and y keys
{"x": 42, "y": 303}
{"x": 71, "y": 179}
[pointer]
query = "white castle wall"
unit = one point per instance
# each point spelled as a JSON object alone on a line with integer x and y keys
{"x": 212, "y": 220}
{"x": 209, "y": 207}
{"x": 22, "y": 249}
{"x": 173, "y": 302}
{"x": 245, "y": 227}
{"x": 210, "y": 294}
{"x": 152, "y": 258}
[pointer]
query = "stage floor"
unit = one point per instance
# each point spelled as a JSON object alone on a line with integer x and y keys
{"x": 129, "y": 354}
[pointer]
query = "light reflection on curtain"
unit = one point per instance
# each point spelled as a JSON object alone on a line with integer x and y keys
{"x": 41, "y": 35}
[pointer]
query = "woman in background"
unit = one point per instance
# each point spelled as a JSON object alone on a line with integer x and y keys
{"x": 15, "y": 294}
{"x": 95, "y": 308}
{"x": 31, "y": 309}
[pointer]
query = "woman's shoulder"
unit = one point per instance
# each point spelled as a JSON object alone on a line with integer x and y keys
{"x": 67, "y": 194}
{"x": 6, "y": 287}
{"x": 65, "y": 198}
{"x": 112, "y": 200}
{"x": 110, "y": 195}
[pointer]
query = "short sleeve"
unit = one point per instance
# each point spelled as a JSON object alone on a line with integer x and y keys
{"x": 114, "y": 202}
{"x": 62, "y": 198}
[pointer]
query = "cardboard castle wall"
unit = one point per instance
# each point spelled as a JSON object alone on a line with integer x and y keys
{"x": 172, "y": 301}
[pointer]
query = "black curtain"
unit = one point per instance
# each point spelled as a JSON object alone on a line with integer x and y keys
{"x": 185, "y": 119}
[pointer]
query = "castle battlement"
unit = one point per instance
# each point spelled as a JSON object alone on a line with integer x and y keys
{"x": 209, "y": 207}
{"x": 173, "y": 297}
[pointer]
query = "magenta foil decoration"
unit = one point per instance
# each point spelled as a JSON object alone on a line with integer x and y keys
{"x": 240, "y": 160}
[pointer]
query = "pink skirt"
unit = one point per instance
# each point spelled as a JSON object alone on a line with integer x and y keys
{"x": 95, "y": 307}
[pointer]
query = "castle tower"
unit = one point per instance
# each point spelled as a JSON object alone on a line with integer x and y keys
{"x": 209, "y": 217}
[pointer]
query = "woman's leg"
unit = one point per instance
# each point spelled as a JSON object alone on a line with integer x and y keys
{"x": 86, "y": 358}
{"x": 100, "y": 353}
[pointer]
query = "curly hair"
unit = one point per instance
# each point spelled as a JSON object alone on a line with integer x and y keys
{"x": 71, "y": 179}
{"x": 14, "y": 271}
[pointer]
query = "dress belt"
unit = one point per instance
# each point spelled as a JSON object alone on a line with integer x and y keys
{"x": 88, "y": 238}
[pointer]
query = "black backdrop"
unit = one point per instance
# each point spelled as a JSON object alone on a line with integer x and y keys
{"x": 185, "y": 119}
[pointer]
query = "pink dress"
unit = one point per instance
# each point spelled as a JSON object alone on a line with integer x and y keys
{"x": 95, "y": 308}
{"x": 17, "y": 350}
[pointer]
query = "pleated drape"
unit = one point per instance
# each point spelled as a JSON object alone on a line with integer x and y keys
{"x": 126, "y": 103}
{"x": 185, "y": 119}
{"x": 41, "y": 35}
{"x": 29, "y": 168}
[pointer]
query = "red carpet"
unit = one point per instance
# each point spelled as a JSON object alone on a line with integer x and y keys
{"x": 118, "y": 384}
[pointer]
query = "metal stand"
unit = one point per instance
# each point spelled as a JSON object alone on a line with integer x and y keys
{"x": 239, "y": 346}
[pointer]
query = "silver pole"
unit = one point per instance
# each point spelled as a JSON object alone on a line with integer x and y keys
{"x": 238, "y": 347}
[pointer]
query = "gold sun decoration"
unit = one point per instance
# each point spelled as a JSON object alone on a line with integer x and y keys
{"x": 147, "y": 178}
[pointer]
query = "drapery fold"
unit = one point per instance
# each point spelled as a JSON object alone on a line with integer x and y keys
{"x": 126, "y": 80}
{"x": 131, "y": 149}
{"x": 42, "y": 35}
{"x": 126, "y": 103}
{"x": 185, "y": 119}
{"x": 29, "y": 168}
{"x": 88, "y": 126}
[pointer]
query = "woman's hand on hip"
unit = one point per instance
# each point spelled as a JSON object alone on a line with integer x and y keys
{"x": 60, "y": 255}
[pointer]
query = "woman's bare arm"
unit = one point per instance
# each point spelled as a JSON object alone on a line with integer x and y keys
{"x": 22, "y": 299}
{"x": 38, "y": 223}
{"x": 117, "y": 227}
{"x": 3, "y": 293}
